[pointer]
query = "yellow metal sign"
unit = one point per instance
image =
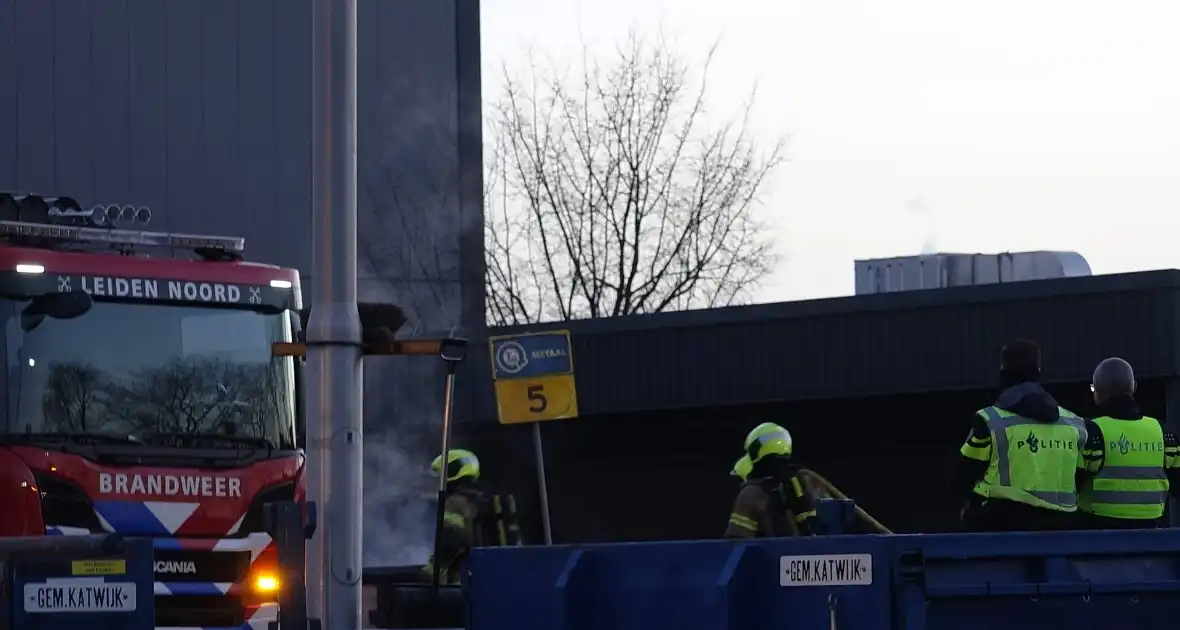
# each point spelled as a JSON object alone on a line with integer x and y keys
{"x": 534, "y": 375}
{"x": 536, "y": 399}
{"x": 99, "y": 567}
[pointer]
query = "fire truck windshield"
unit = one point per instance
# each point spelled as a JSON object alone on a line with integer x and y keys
{"x": 128, "y": 370}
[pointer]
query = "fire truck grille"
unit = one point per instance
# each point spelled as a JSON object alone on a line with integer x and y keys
{"x": 199, "y": 611}
{"x": 183, "y": 565}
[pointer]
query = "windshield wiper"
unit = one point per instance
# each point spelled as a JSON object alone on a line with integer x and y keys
{"x": 78, "y": 438}
{"x": 245, "y": 439}
{"x": 208, "y": 438}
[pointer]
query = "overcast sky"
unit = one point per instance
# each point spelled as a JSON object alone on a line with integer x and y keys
{"x": 972, "y": 127}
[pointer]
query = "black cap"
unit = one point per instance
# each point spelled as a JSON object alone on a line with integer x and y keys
{"x": 1021, "y": 358}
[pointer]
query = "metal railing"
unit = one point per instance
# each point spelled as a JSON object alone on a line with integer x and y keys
{"x": 820, "y": 486}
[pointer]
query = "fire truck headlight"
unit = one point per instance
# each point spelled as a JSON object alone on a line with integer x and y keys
{"x": 266, "y": 583}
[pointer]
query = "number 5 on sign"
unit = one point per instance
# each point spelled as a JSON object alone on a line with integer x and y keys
{"x": 535, "y": 399}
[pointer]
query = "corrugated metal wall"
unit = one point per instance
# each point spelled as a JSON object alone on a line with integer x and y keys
{"x": 882, "y": 344}
{"x": 666, "y": 475}
{"x": 196, "y": 108}
{"x": 201, "y": 109}
{"x": 666, "y": 400}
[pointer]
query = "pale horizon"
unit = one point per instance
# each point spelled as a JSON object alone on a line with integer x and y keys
{"x": 923, "y": 126}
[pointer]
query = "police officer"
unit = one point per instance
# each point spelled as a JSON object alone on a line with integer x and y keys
{"x": 1019, "y": 465}
{"x": 1131, "y": 462}
{"x": 472, "y": 517}
{"x": 773, "y": 500}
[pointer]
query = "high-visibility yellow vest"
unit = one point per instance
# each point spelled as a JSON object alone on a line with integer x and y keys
{"x": 1132, "y": 483}
{"x": 1033, "y": 462}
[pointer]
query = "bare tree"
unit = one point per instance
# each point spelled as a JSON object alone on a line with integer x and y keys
{"x": 258, "y": 395}
{"x": 189, "y": 396}
{"x": 74, "y": 397}
{"x": 610, "y": 193}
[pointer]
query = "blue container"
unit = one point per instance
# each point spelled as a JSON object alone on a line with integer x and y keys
{"x": 1079, "y": 580}
{"x": 683, "y": 586}
{"x": 71, "y": 582}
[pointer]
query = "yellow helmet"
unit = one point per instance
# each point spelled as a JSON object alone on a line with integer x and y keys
{"x": 768, "y": 438}
{"x": 742, "y": 467}
{"x": 461, "y": 464}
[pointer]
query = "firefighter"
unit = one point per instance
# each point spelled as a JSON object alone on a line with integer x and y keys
{"x": 1131, "y": 463}
{"x": 1019, "y": 465}
{"x": 741, "y": 468}
{"x": 773, "y": 501}
{"x": 472, "y": 517}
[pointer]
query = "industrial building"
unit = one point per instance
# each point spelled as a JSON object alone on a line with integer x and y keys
{"x": 202, "y": 111}
{"x": 877, "y": 390}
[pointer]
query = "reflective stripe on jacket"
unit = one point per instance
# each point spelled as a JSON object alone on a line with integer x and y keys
{"x": 767, "y": 508}
{"x": 1132, "y": 483}
{"x": 473, "y": 518}
{"x": 1033, "y": 462}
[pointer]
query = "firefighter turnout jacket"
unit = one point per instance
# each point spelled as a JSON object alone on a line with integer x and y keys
{"x": 768, "y": 508}
{"x": 473, "y": 518}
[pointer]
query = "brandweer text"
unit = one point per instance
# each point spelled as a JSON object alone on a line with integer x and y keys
{"x": 170, "y": 485}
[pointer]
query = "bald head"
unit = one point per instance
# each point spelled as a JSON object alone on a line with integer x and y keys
{"x": 1113, "y": 377}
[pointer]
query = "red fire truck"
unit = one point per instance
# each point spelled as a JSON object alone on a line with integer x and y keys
{"x": 142, "y": 397}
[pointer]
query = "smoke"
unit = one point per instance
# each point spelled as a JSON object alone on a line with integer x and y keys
{"x": 410, "y": 236}
{"x": 403, "y": 406}
{"x": 398, "y": 513}
{"x": 924, "y": 216}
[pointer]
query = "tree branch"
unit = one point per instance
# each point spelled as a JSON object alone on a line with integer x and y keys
{"x": 615, "y": 195}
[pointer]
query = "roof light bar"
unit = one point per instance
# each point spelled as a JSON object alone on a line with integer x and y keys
{"x": 100, "y": 216}
{"x": 67, "y": 210}
{"x": 82, "y": 234}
